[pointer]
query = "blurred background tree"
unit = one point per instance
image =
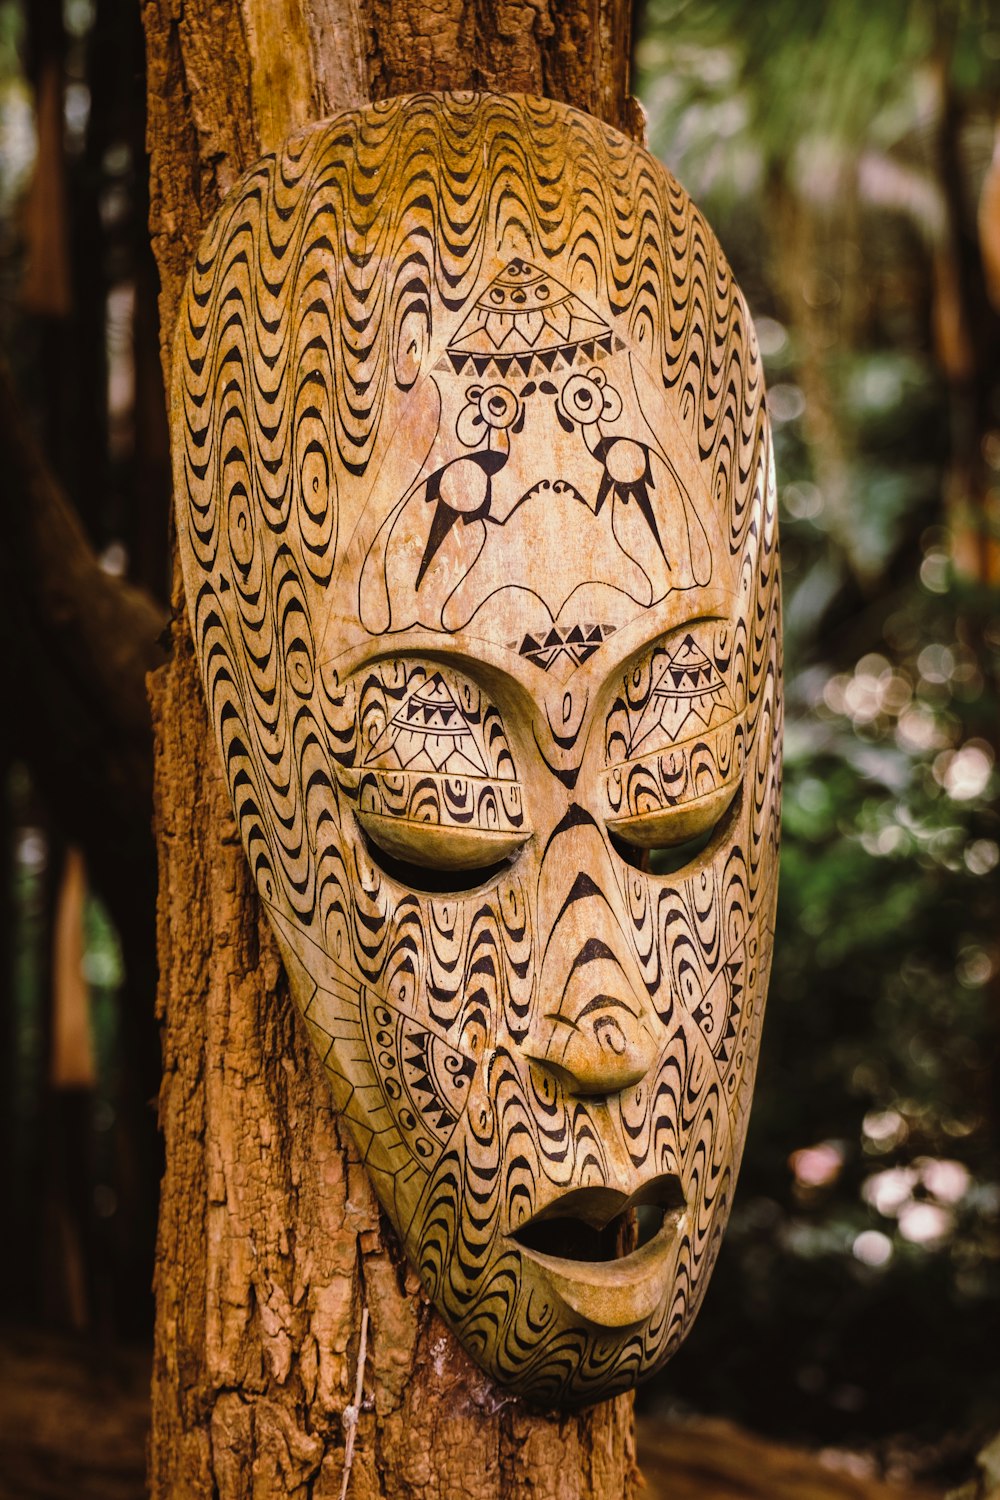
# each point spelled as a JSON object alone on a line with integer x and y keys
{"x": 84, "y": 499}
{"x": 846, "y": 155}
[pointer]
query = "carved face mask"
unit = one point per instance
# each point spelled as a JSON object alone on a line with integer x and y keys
{"x": 478, "y": 537}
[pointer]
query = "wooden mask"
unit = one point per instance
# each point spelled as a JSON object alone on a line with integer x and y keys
{"x": 477, "y": 524}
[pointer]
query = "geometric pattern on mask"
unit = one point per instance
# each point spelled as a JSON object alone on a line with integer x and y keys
{"x": 527, "y": 321}
{"x": 335, "y": 1007}
{"x": 490, "y": 509}
{"x": 687, "y": 694}
{"x": 563, "y": 648}
{"x": 315, "y": 306}
{"x": 431, "y": 732}
{"x": 729, "y": 1012}
{"x": 427, "y": 747}
{"x": 674, "y": 733}
{"x": 425, "y": 1082}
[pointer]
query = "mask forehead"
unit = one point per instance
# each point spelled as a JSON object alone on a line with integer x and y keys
{"x": 477, "y": 528}
{"x": 559, "y": 497}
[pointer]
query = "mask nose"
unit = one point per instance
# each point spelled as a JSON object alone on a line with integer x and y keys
{"x": 590, "y": 1028}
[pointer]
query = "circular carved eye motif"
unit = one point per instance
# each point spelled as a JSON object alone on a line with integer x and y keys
{"x": 580, "y": 398}
{"x": 498, "y": 406}
{"x": 494, "y": 406}
{"x": 588, "y": 398}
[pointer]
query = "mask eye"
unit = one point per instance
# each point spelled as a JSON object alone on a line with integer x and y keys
{"x": 664, "y": 843}
{"x": 664, "y": 859}
{"x": 433, "y": 859}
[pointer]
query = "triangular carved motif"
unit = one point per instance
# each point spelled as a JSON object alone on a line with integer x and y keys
{"x": 563, "y": 648}
{"x": 430, "y": 731}
{"x": 687, "y": 694}
{"x": 527, "y": 318}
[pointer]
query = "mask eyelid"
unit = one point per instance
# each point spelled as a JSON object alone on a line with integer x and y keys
{"x": 442, "y": 846}
{"x": 666, "y": 827}
{"x": 437, "y": 858}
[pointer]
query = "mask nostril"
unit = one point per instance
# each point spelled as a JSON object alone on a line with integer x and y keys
{"x": 609, "y": 1036}
{"x": 552, "y": 1072}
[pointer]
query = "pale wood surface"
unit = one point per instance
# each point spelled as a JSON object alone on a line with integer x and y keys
{"x": 477, "y": 527}
{"x": 73, "y": 1065}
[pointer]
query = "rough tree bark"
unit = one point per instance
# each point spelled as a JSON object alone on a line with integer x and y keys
{"x": 270, "y": 1239}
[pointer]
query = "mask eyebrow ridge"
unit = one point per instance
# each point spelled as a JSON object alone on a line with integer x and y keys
{"x": 651, "y": 644}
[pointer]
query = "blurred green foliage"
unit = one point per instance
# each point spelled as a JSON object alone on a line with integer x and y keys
{"x": 860, "y": 1275}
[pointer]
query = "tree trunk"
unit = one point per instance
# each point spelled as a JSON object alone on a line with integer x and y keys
{"x": 270, "y": 1242}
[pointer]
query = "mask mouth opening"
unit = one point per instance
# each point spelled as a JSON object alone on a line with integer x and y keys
{"x": 600, "y": 1225}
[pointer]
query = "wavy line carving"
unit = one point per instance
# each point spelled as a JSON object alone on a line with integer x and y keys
{"x": 477, "y": 524}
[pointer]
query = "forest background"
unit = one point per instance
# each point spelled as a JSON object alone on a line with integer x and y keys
{"x": 846, "y": 156}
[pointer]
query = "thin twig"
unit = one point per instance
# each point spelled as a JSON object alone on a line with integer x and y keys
{"x": 351, "y": 1413}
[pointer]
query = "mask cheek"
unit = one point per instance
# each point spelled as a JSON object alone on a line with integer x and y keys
{"x": 423, "y": 1080}
{"x": 454, "y": 1229}
{"x": 718, "y": 994}
{"x": 651, "y": 1114}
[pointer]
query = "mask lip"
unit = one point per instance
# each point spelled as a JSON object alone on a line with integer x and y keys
{"x": 597, "y": 1206}
{"x": 623, "y": 1291}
